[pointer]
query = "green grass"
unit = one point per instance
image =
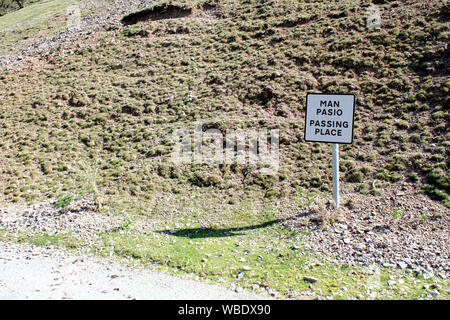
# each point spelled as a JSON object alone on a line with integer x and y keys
{"x": 67, "y": 241}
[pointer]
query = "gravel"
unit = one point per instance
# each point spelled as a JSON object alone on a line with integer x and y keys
{"x": 40, "y": 273}
{"x": 79, "y": 217}
{"x": 364, "y": 231}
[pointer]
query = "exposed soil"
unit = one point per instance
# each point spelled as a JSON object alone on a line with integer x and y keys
{"x": 157, "y": 13}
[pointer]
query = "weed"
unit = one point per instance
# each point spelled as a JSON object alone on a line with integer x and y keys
{"x": 63, "y": 200}
{"x": 422, "y": 216}
{"x": 397, "y": 213}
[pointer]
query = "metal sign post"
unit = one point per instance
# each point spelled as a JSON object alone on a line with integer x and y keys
{"x": 329, "y": 118}
{"x": 336, "y": 175}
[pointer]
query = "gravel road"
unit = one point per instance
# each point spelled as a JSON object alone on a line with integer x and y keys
{"x": 39, "y": 273}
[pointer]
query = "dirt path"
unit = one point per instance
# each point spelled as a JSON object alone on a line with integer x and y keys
{"x": 44, "y": 273}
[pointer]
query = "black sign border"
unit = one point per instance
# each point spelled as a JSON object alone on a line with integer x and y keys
{"x": 331, "y": 94}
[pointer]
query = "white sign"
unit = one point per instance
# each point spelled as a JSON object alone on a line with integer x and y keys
{"x": 329, "y": 117}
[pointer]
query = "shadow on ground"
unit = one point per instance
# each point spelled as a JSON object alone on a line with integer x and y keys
{"x": 194, "y": 233}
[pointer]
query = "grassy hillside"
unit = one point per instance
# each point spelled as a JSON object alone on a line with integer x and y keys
{"x": 7, "y": 6}
{"x": 112, "y": 107}
{"x": 36, "y": 20}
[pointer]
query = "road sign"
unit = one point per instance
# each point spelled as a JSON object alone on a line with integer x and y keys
{"x": 329, "y": 117}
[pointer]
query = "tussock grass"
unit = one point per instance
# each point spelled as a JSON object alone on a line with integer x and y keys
{"x": 31, "y": 20}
